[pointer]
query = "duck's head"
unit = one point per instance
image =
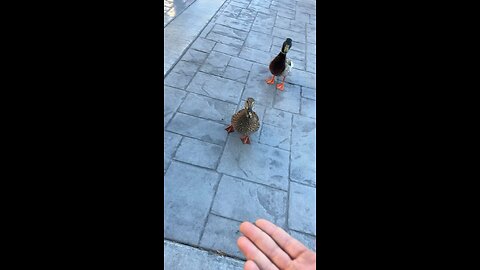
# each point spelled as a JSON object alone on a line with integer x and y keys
{"x": 249, "y": 106}
{"x": 287, "y": 45}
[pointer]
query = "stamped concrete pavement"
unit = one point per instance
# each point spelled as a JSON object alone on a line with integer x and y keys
{"x": 212, "y": 181}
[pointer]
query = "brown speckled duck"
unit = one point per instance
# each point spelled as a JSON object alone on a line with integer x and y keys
{"x": 281, "y": 65}
{"x": 245, "y": 121}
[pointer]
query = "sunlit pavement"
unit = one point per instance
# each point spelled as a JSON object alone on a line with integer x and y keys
{"x": 185, "y": 28}
{"x": 172, "y": 8}
{"x": 212, "y": 181}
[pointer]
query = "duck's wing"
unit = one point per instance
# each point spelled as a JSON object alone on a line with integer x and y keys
{"x": 236, "y": 117}
{"x": 256, "y": 123}
{"x": 290, "y": 64}
{"x": 288, "y": 67}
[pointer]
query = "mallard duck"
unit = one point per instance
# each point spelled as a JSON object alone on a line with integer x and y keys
{"x": 245, "y": 121}
{"x": 281, "y": 65}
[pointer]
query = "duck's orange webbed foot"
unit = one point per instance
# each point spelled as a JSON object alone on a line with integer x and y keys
{"x": 245, "y": 139}
{"x": 281, "y": 86}
{"x": 230, "y": 129}
{"x": 271, "y": 80}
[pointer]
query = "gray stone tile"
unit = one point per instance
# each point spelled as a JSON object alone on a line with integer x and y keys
{"x": 177, "y": 80}
{"x": 278, "y": 118}
{"x": 207, "y": 30}
{"x": 287, "y": 13}
{"x": 311, "y": 28}
{"x": 311, "y": 34}
{"x": 205, "y": 130}
{"x": 302, "y": 214}
{"x": 257, "y": 56}
{"x": 312, "y": 37}
{"x": 261, "y": 3}
{"x": 261, "y": 29}
{"x": 282, "y": 22}
{"x": 303, "y": 78}
{"x": 205, "y": 107}
{"x": 170, "y": 144}
{"x": 289, "y": 99}
{"x": 240, "y": 63}
{"x": 307, "y": 240}
{"x": 312, "y": 63}
{"x": 297, "y": 26}
{"x": 187, "y": 198}
{"x": 276, "y": 8}
{"x": 234, "y": 23}
{"x": 259, "y": 41}
{"x": 236, "y": 74}
{"x": 282, "y": 33}
{"x": 186, "y": 68}
{"x": 203, "y": 45}
{"x": 182, "y": 257}
{"x": 303, "y": 150}
{"x": 309, "y": 93}
{"x": 265, "y": 10}
{"x": 264, "y": 21}
{"x": 199, "y": 153}
{"x": 284, "y": 4}
{"x": 307, "y": 5}
{"x": 311, "y": 48}
{"x": 302, "y": 16}
{"x": 235, "y": 42}
{"x": 247, "y": 15}
{"x": 257, "y": 88}
{"x": 240, "y": 3}
{"x": 232, "y": 11}
{"x": 255, "y": 162}
{"x": 246, "y": 201}
{"x": 230, "y": 50}
{"x": 309, "y": 108}
{"x": 229, "y": 32}
{"x": 219, "y": 13}
{"x": 216, "y": 87}
{"x": 184, "y": 29}
{"x": 221, "y": 234}
{"x": 275, "y": 136}
{"x": 175, "y": 98}
{"x": 216, "y": 63}
{"x": 194, "y": 56}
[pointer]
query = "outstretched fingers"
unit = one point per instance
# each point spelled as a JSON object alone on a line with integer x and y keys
{"x": 252, "y": 253}
{"x": 265, "y": 245}
{"x": 251, "y": 265}
{"x": 292, "y": 246}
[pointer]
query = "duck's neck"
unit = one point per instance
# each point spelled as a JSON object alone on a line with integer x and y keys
{"x": 282, "y": 56}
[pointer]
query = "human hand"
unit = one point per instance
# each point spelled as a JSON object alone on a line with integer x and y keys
{"x": 268, "y": 247}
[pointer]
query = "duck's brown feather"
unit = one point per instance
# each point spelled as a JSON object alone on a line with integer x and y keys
{"x": 245, "y": 125}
